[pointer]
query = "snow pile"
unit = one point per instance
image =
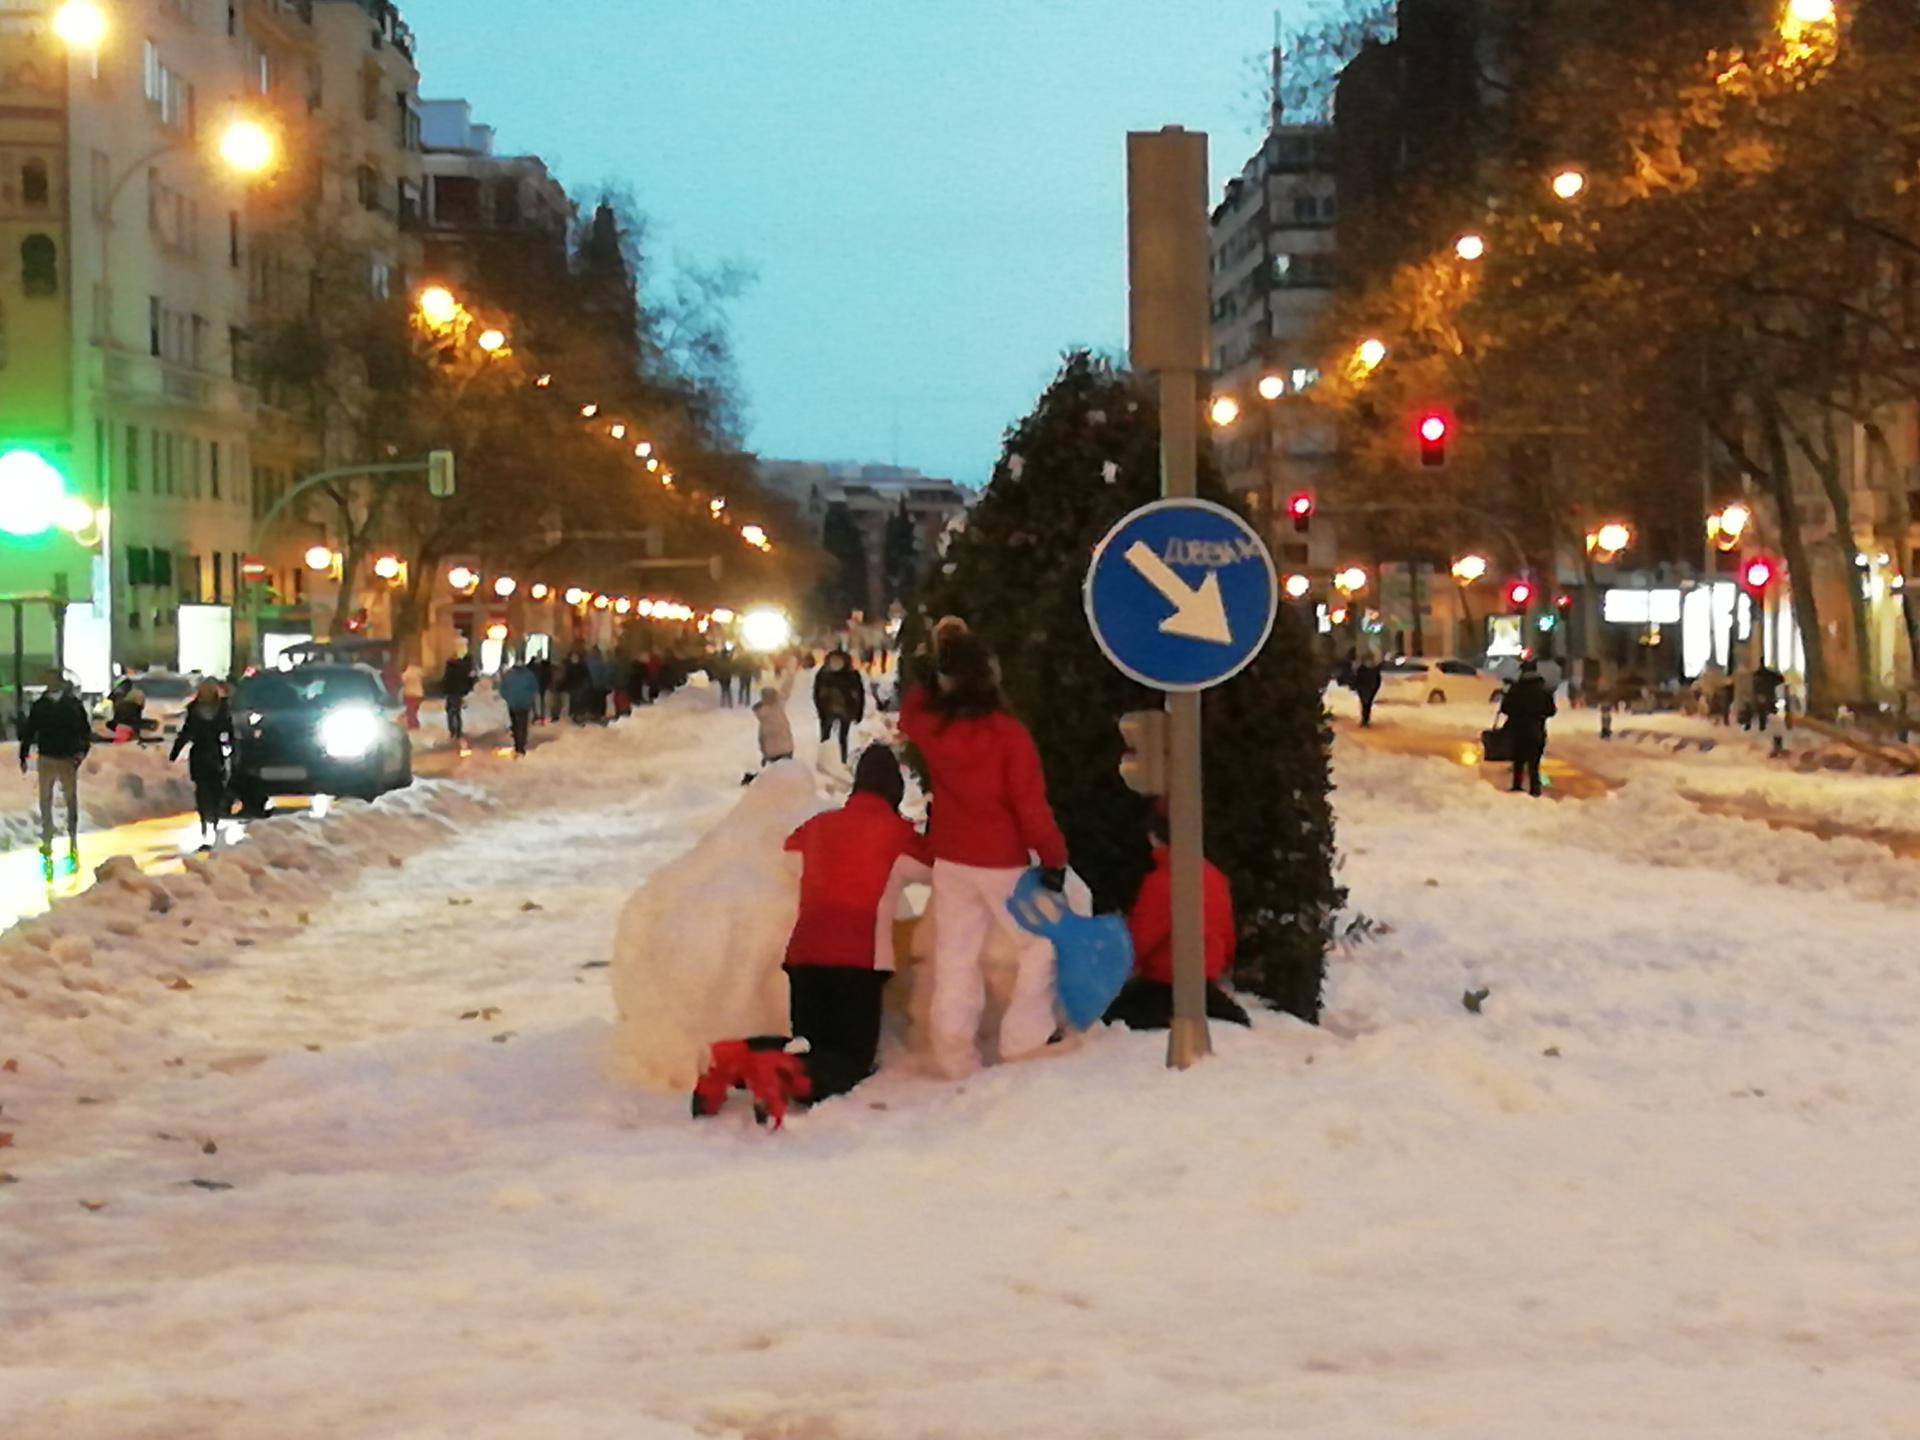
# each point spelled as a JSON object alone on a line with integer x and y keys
{"x": 699, "y": 946}
{"x": 118, "y": 784}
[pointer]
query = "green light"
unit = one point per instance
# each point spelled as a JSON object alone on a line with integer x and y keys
{"x": 33, "y": 493}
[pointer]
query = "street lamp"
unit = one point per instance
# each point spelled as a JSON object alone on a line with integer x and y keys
{"x": 1297, "y": 587}
{"x": 248, "y": 148}
{"x": 643, "y": 449}
{"x": 464, "y": 578}
{"x": 1569, "y": 183}
{"x": 1351, "y": 580}
{"x": 756, "y": 537}
{"x": 540, "y": 591}
{"x": 1470, "y": 246}
{"x": 619, "y": 432}
{"x": 1469, "y": 568}
{"x": 1806, "y": 13}
{"x": 492, "y": 341}
{"x": 1610, "y": 539}
{"x": 387, "y": 568}
{"x": 1727, "y": 525}
{"x": 437, "y": 306}
{"x": 80, "y": 25}
{"x": 36, "y": 497}
{"x": 1224, "y": 410}
{"x": 575, "y": 595}
{"x": 1272, "y": 387}
{"x": 319, "y": 558}
{"x": 505, "y": 586}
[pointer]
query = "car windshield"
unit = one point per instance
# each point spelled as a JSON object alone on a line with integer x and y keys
{"x": 310, "y": 688}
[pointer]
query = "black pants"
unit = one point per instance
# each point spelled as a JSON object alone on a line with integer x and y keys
{"x": 1148, "y": 1005}
{"x": 837, "y": 1010}
{"x": 1366, "y": 707}
{"x": 520, "y": 721}
{"x": 827, "y": 724}
{"x": 1528, "y": 752}
{"x": 210, "y": 795}
{"x": 456, "y": 725}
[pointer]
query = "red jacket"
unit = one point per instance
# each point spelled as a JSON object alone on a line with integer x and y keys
{"x": 989, "y": 793}
{"x": 1151, "y": 921}
{"x": 850, "y": 869}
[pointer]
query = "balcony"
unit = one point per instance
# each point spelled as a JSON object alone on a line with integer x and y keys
{"x": 128, "y": 377}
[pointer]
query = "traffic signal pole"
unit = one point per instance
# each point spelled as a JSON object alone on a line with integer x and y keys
{"x": 1168, "y": 311}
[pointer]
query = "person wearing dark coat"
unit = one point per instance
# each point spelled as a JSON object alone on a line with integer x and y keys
{"x": 1766, "y": 693}
{"x": 839, "y": 698}
{"x": 57, "y": 726}
{"x": 206, "y": 734}
{"x": 1528, "y": 706}
{"x": 1366, "y": 684}
{"x": 543, "y": 673}
{"x": 456, "y": 683}
{"x": 577, "y": 681}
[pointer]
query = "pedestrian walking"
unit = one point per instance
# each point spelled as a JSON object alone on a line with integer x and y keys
{"x": 519, "y": 690}
{"x": 839, "y": 698}
{"x": 542, "y": 669}
{"x": 624, "y": 670}
{"x": 1766, "y": 693}
{"x": 990, "y": 819}
{"x": 1527, "y": 706}
{"x": 578, "y": 683}
{"x": 1366, "y": 684}
{"x": 456, "y": 683}
{"x": 854, "y": 862}
{"x": 599, "y": 685}
{"x": 56, "y": 725}
{"x": 720, "y": 672}
{"x": 206, "y": 734}
{"x": 413, "y": 692}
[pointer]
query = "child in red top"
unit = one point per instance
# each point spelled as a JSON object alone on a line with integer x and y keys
{"x": 1147, "y": 1001}
{"x": 854, "y": 862}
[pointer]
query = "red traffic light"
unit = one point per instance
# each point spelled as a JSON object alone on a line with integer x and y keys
{"x": 1520, "y": 594}
{"x": 1300, "y": 507}
{"x": 1757, "y": 574}
{"x": 1563, "y": 602}
{"x": 1432, "y": 430}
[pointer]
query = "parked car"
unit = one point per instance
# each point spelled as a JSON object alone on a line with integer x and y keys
{"x": 165, "y": 695}
{"x": 1407, "y": 681}
{"x": 318, "y": 730}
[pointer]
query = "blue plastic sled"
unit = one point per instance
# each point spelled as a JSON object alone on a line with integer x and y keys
{"x": 1094, "y": 954}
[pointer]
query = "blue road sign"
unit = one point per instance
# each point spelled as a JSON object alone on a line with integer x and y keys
{"x": 1181, "y": 594}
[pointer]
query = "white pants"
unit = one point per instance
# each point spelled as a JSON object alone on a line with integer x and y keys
{"x": 969, "y": 910}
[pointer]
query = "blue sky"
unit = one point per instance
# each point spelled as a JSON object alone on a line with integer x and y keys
{"x": 931, "y": 191}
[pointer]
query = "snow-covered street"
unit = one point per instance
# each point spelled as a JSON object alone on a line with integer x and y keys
{"x": 1659, "y": 1182}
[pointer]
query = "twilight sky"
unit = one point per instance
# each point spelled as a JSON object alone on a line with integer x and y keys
{"x": 931, "y": 191}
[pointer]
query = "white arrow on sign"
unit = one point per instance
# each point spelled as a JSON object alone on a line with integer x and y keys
{"x": 1198, "y": 614}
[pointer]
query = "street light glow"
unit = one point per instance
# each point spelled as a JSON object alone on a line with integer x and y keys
{"x": 540, "y": 591}
{"x": 505, "y": 586}
{"x": 1371, "y": 354}
{"x": 387, "y": 567}
{"x": 80, "y": 25}
{"x": 1224, "y": 410}
{"x": 756, "y": 537}
{"x": 1297, "y": 587}
{"x": 319, "y": 558}
{"x": 1272, "y": 387}
{"x": 437, "y": 306}
{"x": 1470, "y": 246}
{"x": 765, "y": 630}
{"x": 1613, "y": 537}
{"x": 619, "y": 432}
{"x": 1469, "y": 568}
{"x": 1811, "y": 12}
{"x": 463, "y": 578}
{"x": 575, "y": 595}
{"x": 248, "y": 148}
{"x": 622, "y": 606}
{"x": 1569, "y": 183}
{"x": 1350, "y": 580}
{"x": 492, "y": 340}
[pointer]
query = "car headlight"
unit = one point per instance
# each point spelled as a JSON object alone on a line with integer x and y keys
{"x": 349, "y": 732}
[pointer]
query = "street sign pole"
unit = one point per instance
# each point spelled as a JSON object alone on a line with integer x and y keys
{"x": 1168, "y": 311}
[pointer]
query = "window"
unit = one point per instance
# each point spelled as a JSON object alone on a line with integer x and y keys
{"x": 370, "y": 93}
{"x": 1306, "y": 207}
{"x": 371, "y": 187}
{"x": 409, "y": 201}
{"x": 233, "y": 239}
{"x": 133, "y": 460}
{"x": 156, "y": 326}
{"x": 196, "y": 453}
{"x": 409, "y": 133}
{"x": 201, "y": 330}
{"x": 101, "y": 166}
{"x": 236, "y": 352}
{"x": 34, "y": 188}
{"x": 39, "y": 266}
{"x": 380, "y": 279}
{"x": 213, "y": 486}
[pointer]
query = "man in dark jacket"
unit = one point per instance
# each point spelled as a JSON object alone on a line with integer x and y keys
{"x": 456, "y": 682}
{"x": 839, "y": 698}
{"x": 1766, "y": 693}
{"x": 1366, "y": 684}
{"x": 1528, "y": 705}
{"x": 58, "y": 727}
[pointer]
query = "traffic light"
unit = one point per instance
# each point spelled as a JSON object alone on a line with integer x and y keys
{"x": 1520, "y": 594}
{"x": 1758, "y": 574}
{"x": 1144, "y": 767}
{"x": 440, "y": 474}
{"x": 1433, "y": 430}
{"x": 1563, "y": 602}
{"x": 1300, "y": 507}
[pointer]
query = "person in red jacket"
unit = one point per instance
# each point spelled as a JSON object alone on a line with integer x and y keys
{"x": 990, "y": 821}
{"x": 854, "y": 862}
{"x": 1147, "y": 1001}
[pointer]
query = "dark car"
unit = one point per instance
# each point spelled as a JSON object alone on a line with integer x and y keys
{"x": 318, "y": 730}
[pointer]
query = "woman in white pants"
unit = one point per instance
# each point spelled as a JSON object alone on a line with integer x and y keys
{"x": 990, "y": 820}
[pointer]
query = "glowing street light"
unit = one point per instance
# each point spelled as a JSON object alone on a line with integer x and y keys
{"x": 1272, "y": 387}
{"x": 765, "y": 630}
{"x": 1805, "y": 14}
{"x": 1368, "y": 356}
{"x": 34, "y": 493}
{"x": 756, "y": 537}
{"x": 1470, "y": 246}
{"x": 1569, "y": 183}
{"x": 587, "y": 412}
{"x": 505, "y": 586}
{"x": 464, "y": 578}
{"x": 1610, "y": 539}
{"x": 540, "y": 591}
{"x": 653, "y": 464}
{"x": 643, "y": 449}
{"x": 1297, "y": 587}
{"x": 80, "y": 25}
{"x": 248, "y": 148}
{"x": 622, "y": 606}
{"x": 601, "y": 602}
{"x": 319, "y": 558}
{"x": 575, "y": 596}
{"x": 619, "y": 432}
{"x": 437, "y": 306}
{"x": 387, "y": 567}
{"x": 1470, "y": 568}
{"x": 1351, "y": 580}
{"x": 718, "y": 506}
{"x": 492, "y": 340}
{"x": 1224, "y": 410}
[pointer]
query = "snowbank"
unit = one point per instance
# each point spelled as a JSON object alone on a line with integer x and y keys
{"x": 118, "y": 784}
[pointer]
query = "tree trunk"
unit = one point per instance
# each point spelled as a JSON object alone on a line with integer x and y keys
{"x": 1825, "y": 461}
{"x": 1778, "y": 475}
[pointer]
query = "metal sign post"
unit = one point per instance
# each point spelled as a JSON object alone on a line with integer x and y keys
{"x": 1167, "y": 313}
